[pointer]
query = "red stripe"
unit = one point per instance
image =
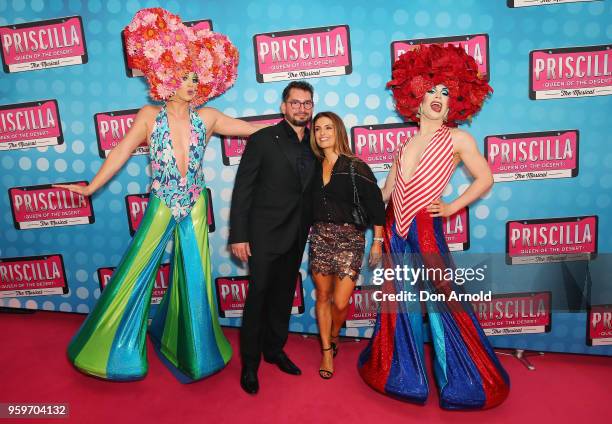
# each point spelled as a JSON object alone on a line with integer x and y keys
{"x": 376, "y": 370}
{"x": 493, "y": 383}
{"x": 428, "y": 181}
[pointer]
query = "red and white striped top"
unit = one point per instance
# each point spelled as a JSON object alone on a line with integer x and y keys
{"x": 428, "y": 181}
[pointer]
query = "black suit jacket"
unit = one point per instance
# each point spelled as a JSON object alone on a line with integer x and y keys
{"x": 271, "y": 206}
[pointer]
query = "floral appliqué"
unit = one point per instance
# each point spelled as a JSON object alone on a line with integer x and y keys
{"x": 177, "y": 192}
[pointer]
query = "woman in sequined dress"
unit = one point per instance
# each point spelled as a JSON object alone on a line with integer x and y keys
{"x": 336, "y": 243}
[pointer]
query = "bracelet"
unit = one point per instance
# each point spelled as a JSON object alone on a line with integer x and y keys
{"x": 378, "y": 239}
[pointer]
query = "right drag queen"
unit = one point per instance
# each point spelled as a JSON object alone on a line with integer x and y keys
{"x": 437, "y": 87}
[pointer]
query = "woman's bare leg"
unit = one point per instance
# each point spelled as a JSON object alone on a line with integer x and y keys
{"x": 324, "y": 289}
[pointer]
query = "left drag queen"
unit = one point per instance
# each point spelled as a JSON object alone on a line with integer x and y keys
{"x": 184, "y": 68}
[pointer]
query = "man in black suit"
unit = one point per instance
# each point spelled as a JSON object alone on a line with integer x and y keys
{"x": 269, "y": 222}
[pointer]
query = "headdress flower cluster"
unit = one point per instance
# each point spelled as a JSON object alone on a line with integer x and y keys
{"x": 424, "y": 67}
{"x": 165, "y": 50}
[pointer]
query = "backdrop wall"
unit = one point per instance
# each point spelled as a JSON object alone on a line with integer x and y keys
{"x": 565, "y": 185}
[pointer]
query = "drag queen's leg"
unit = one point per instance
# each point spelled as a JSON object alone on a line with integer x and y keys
{"x": 111, "y": 342}
{"x": 467, "y": 371}
{"x": 393, "y": 362}
{"x": 185, "y": 328}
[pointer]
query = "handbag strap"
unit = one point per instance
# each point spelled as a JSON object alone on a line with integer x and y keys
{"x": 355, "y": 192}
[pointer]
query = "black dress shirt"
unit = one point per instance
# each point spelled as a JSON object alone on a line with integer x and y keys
{"x": 301, "y": 155}
{"x": 333, "y": 202}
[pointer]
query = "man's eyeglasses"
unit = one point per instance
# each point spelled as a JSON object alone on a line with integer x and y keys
{"x": 295, "y": 104}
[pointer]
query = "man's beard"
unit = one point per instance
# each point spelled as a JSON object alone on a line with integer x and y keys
{"x": 298, "y": 122}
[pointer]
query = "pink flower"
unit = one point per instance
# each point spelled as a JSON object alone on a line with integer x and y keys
{"x": 194, "y": 191}
{"x": 156, "y": 185}
{"x": 205, "y": 59}
{"x": 164, "y": 74}
{"x": 134, "y": 25}
{"x": 153, "y": 50}
{"x": 220, "y": 51}
{"x": 183, "y": 182}
{"x": 174, "y": 24}
{"x": 205, "y": 77}
{"x": 179, "y": 52}
{"x": 193, "y": 139}
{"x": 132, "y": 46}
{"x": 149, "y": 18}
{"x": 164, "y": 91}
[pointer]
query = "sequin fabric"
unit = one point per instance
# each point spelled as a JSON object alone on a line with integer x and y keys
{"x": 336, "y": 249}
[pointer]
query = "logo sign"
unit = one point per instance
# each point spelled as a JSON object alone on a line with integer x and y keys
{"x": 457, "y": 230}
{"x": 551, "y": 240}
{"x": 44, "y": 206}
{"x": 303, "y": 53}
{"x": 475, "y": 45}
{"x": 136, "y": 204}
{"x": 202, "y": 24}
{"x": 43, "y": 44}
{"x": 111, "y": 127}
{"x": 570, "y": 72}
{"x": 362, "y": 307}
{"x": 533, "y": 156}
{"x": 32, "y": 276}
{"x": 377, "y": 145}
{"x": 526, "y": 3}
{"x": 232, "y": 148}
{"x": 232, "y": 293}
{"x": 162, "y": 280}
{"x": 515, "y": 313}
{"x": 211, "y": 214}
{"x": 32, "y": 124}
{"x": 599, "y": 332}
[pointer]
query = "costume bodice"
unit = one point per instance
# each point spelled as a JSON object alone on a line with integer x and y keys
{"x": 429, "y": 180}
{"x": 178, "y": 192}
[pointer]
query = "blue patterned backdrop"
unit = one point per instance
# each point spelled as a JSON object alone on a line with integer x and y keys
{"x": 360, "y": 98}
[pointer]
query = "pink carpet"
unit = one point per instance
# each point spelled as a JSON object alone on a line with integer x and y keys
{"x": 564, "y": 388}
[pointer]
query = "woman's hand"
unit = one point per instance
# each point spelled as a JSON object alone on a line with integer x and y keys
{"x": 439, "y": 208}
{"x": 375, "y": 254}
{"x": 84, "y": 190}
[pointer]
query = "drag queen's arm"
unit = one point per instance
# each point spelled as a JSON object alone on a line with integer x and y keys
{"x": 476, "y": 164}
{"x": 389, "y": 183}
{"x": 119, "y": 154}
{"x": 242, "y": 197}
{"x": 219, "y": 123}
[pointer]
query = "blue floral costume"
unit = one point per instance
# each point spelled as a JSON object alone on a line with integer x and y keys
{"x": 185, "y": 329}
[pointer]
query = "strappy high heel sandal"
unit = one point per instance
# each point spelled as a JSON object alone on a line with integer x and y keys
{"x": 323, "y": 373}
{"x": 334, "y": 345}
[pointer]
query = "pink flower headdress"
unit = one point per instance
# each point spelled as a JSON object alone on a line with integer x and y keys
{"x": 165, "y": 50}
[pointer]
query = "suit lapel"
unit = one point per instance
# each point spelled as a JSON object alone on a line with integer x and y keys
{"x": 309, "y": 173}
{"x": 284, "y": 147}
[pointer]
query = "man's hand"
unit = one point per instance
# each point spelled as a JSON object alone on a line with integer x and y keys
{"x": 241, "y": 250}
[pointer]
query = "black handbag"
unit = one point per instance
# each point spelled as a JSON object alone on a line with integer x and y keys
{"x": 360, "y": 217}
